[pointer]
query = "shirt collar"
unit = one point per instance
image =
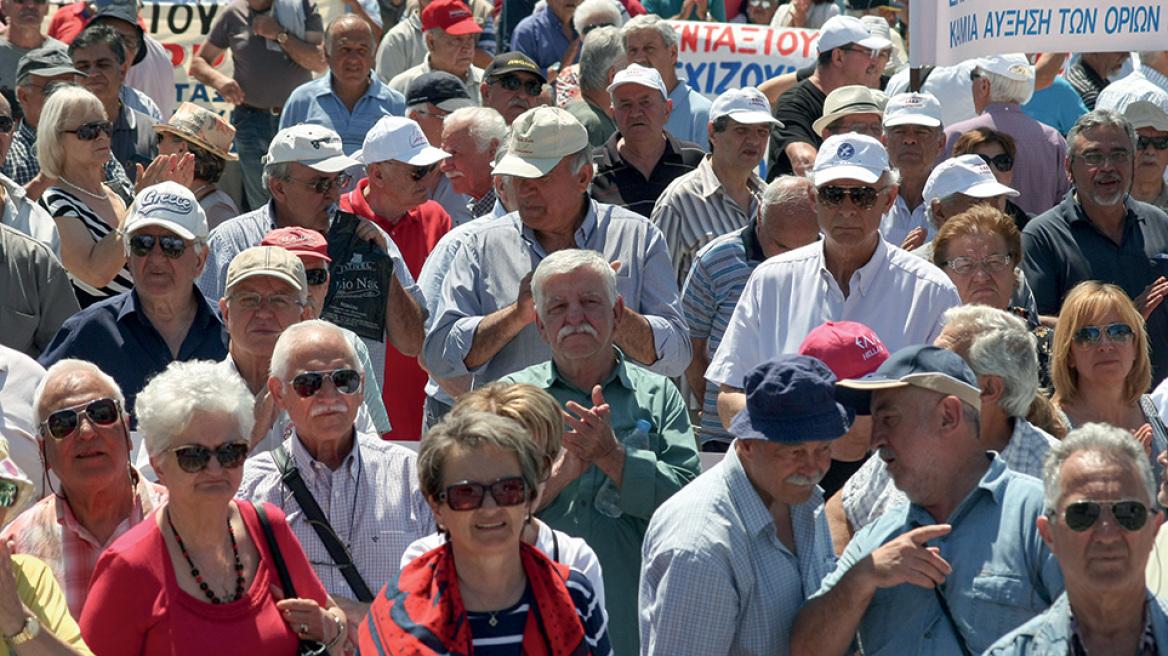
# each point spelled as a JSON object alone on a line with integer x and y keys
{"x": 1155, "y": 77}
{"x": 755, "y": 516}
{"x": 864, "y": 277}
{"x": 583, "y": 233}
{"x": 620, "y": 372}
{"x": 376, "y": 88}
{"x": 754, "y": 252}
{"x": 993, "y": 482}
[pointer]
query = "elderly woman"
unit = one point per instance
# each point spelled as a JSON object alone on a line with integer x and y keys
{"x": 543, "y": 421}
{"x": 208, "y": 137}
{"x": 484, "y": 590}
{"x": 1100, "y": 365}
{"x": 199, "y": 574}
{"x": 997, "y": 150}
{"x": 73, "y": 145}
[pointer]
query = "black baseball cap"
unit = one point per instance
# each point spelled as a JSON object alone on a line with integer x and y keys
{"x": 129, "y": 14}
{"x": 513, "y": 62}
{"x": 439, "y": 88}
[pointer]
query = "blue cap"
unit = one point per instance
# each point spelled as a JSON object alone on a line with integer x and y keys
{"x": 791, "y": 399}
{"x": 923, "y": 365}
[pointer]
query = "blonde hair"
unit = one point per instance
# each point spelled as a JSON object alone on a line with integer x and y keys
{"x": 1086, "y": 303}
{"x": 536, "y": 410}
{"x": 64, "y": 105}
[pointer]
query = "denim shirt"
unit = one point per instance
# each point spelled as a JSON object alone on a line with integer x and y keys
{"x": 1050, "y": 632}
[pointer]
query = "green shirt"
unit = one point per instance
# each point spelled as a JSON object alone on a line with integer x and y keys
{"x": 650, "y": 477}
{"x": 596, "y": 121}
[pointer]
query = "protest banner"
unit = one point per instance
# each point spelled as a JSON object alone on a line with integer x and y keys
{"x": 715, "y": 57}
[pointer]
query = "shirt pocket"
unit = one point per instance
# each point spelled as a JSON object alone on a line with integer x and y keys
{"x": 997, "y": 604}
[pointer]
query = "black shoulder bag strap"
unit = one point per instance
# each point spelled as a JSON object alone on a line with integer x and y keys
{"x": 337, "y": 551}
{"x": 277, "y": 557}
{"x": 952, "y": 622}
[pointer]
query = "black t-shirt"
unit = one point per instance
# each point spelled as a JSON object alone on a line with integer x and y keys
{"x": 619, "y": 183}
{"x": 838, "y": 473}
{"x": 797, "y": 108}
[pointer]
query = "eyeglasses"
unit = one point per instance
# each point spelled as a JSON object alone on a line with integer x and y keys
{"x": 1129, "y": 514}
{"x": 193, "y": 458}
{"x": 513, "y": 82}
{"x": 418, "y": 172}
{"x": 862, "y": 197}
{"x": 992, "y": 263}
{"x": 1117, "y": 333}
{"x": 62, "y": 423}
{"x": 324, "y": 185}
{"x": 1117, "y": 158}
{"x": 761, "y": 3}
{"x": 1159, "y": 143}
{"x": 91, "y": 131}
{"x": 172, "y": 247}
{"x": 9, "y": 492}
{"x": 1002, "y": 162}
{"x": 426, "y": 112}
{"x": 6, "y": 124}
{"x": 589, "y": 28}
{"x": 278, "y": 302}
{"x": 871, "y": 52}
{"x": 316, "y": 276}
{"x": 347, "y": 381}
{"x": 469, "y": 495}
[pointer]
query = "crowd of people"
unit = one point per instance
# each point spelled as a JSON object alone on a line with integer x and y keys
{"x": 509, "y": 341}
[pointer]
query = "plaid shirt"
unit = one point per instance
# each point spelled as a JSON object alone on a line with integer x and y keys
{"x": 50, "y": 531}
{"x": 1147, "y": 638}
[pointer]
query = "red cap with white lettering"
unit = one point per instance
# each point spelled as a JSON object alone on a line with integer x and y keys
{"x": 453, "y": 16}
{"x": 848, "y": 348}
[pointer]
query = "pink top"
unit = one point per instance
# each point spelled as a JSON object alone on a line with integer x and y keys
{"x": 136, "y": 607}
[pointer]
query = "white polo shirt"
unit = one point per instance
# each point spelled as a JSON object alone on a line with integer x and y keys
{"x": 899, "y": 296}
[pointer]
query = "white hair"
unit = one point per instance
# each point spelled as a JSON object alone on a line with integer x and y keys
{"x": 603, "y": 50}
{"x": 297, "y": 333}
{"x": 73, "y": 368}
{"x": 592, "y": 8}
{"x": 567, "y": 261}
{"x": 1105, "y": 439}
{"x": 651, "y": 22}
{"x": 996, "y": 343}
{"x": 484, "y": 124}
{"x": 168, "y": 404}
{"x": 1004, "y": 89}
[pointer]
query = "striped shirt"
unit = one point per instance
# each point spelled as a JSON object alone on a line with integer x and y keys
{"x": 22, "y": 165}
{"x": 619, "y": 183}
{"x": 1086, "y": 81}
{"x": 695, "y": 208}
{"x": 506, "y": 637}
{"x": 708, "y": 297}
{"x": 61, "y": 204}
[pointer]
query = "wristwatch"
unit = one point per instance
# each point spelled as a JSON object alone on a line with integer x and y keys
{"x": 32, "y": 628}
{"x": 282, "y": 37}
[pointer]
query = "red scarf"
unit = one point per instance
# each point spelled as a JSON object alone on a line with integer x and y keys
{"x": 424, "y": 614}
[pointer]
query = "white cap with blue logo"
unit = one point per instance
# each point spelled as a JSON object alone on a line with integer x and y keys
{"x": 850, "y": 156}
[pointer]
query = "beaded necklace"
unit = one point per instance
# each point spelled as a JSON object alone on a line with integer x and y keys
{"x": 195, "y": 571}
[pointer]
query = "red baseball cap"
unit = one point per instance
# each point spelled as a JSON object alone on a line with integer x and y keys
{"x": 849, "y": 349}
{"x": 451, "y": 15}
{"x": 300, "y": 241}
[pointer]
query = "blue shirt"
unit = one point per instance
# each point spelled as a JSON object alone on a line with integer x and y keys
{"x": 315, "y": 102}
{"x": 1003, "y": 573}
{"x": 715, "y": 579}
{"x": 690, "y": 117}
{"x": 541, "y": 37}
{"x": 1058, "y": 105}
{"x": 117, "y": 336}
{"x": 1050, "y": 632}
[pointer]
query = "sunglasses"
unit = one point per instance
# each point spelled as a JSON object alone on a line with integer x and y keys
{"x": 172, "y": 247}
{"x": 1003, "y": 162}
{"x": 9, "y": 492}
{"x": 6, "y": 124}
{"x": 1117, "y": 333}
{"x": 324, "y": 185}
{"x": 316, "y": 276}
{"x": 1159, "y": 143}
{"x": 91, "y": 131}
{"x": 1129, "y": 514}
{"x": 993, "y": 263}
{"x": 513, "y": 82}
{"x": 761, "y": 3}
{"x": 347, "y": 381}
{"x": 193, "y": 458}
{"x": 469, "y": 495}
{"x": 62, "y": 423}
{"x": 419, "y": 172}
{"x": 862, "y": 197}
{"x": 589, "y": 28}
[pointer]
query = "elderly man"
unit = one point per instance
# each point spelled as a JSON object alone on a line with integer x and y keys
{"x": 164, "y": 318}
{"x": 852, "y": 274}
{"x": 637, "y": 163}
{"x": 851, "y": 108}
{"x": 350, "y": 99}
{"x": 914, "y": 138}
{"x": 785, "y": 220}
{"x": 601, "y": 58}
{"x": 22, "y": 36}
{"x": 1001, "y": 85}
{"x": 1090, "y": 74}
{"x": 1100, "y": 524}
{"x": 471, "y": 136}
{"x": 721, "y": 194}
{"x": 579, "y": 313}
{"x": 512, "y": 84}
{"x": 484, "y": 321}
{"x": 431, "y": 97}
{"x": 84, "y": 436}
{"x": 754, "y": 567}
{"x": 651, "y": 41}
{"x": 955, "y": 185}
{"x": 1100, "y": 232}
{"x": 124, "y": 18}
{"x": 404, "y": 45}
{"x": 450, "y": 31}
{"x": 1151, "y": 125}
{"x": 848, "y": 55}
{"x": 967, "y": 538}
{"x": 324, "y": 458}
{"x": 1148, "y": 81}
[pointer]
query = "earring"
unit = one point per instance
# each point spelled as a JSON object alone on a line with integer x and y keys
{"x": 441, "y": 527}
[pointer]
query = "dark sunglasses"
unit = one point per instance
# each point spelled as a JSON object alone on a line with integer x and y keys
{"x": 513, "y": 82}
{"x": 6, "y": 124}
{"x": 1003, "y": 162}
{"x": 323, "y": 186}
{"x": 172, "y": 247}
{"x": 589, "y": 28}
{"x": 1159, "y": 143}
{"x": 316, "y": 276}
{"x": 9, "y": 492}
{"x": 1118, "y": 333}
{"x": 1129, "y": 514}
{"x": 62, "y": 423}
{"x": 469, "y": 495}
{"x": 91, "y": 131}
{"x": 193, "y": 458}
{"x": 419, "y": 172}
{"x": 862, "y": 197}
{"x": 347, "y": 381}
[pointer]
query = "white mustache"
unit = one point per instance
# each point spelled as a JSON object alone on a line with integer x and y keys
{"x": 572, "y": 330}
{"x": 453, "y": 173}
{"x": 519, "y": 102}
{"x": 334, "y": 406}
{"x": 796, "y": 479}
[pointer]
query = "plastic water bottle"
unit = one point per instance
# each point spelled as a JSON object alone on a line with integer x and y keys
{"x": 608, "y": 496}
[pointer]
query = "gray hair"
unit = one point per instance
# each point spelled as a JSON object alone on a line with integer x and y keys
{"x": 73, "y": 368}
{"x": 996, "y": 343}
{"x": 603, "y": 51}
{"x": 281, "y": 364}
{"x": 168, "y": 404}
{"x": 591, "y": 8}
{"x": 63, "y": 106}
{"x": 651, "y": 22}
{"x": 1099, "y": 119}
{"x": 348, "y": 18}
{"x": 579, "y": 159}
{"x": 1105, "y": 439}
{"x": 890, "y": 176}
{"x": 274, "y": 171}
{"x": 1004, "y": 89}
{"x": 947, "y": 202}
{"x": 483, "y": 123}
{"x": 784, "y": 190}
{"x": 474, "y": 430}
{"x": 567, "y": 261}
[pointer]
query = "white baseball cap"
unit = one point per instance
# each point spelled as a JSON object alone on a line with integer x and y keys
{"x": 913, "y": 109}
{"x": 1144, "y": 114}
{"x": 966, "y": 174}
{"x": 747, "y": 105}
{"x": 1014, "y": 66}
{"x": 168, "y": 205}
{"x": 850, "y": 156}
{"x": 540, "y": 138}
{"x": 842, "y": 30}
{"x": 401, "y": 139}
{"x": 314, "y": 146}
{"x": 643, "y": 75}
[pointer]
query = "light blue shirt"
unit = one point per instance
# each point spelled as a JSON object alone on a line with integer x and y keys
{"x": 315, "y": 102}
{"x": 485, "y": 273}
{"x": 900, "y": 220}
{"x": 690, "y": 118}
{"x": 1003, "y": 573}
{"x": 1050, "y": 632}
{"x": 715, "y": 579}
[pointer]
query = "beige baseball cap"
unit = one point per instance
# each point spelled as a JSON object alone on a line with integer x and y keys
{"x": 846, "y": 100}
{"x": 540, "y": 138}
{"x": 267, "y": 261}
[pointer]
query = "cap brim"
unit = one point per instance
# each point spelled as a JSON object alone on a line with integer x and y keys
{"x": 425, "y": 156}
{"x": 913, "y": 119}
{"x": 312, "y": 254}
{"x": 468, "y": 26}
{"x": 989, "y": 189}
{"x": 56, "y": 70}
{"x": 639, "y": 83}
{"x": 857, "y": 394}
{"x": 451, "y": 104}
{"x": 519, "y": 167}
{"x": 875, "y": 43}
{"x": 269, "y": 273}
{"x": 170, "y": 129}
{"x": 753, "y": 118}
{"x": 334, "y": 164}
{"x": 847, "y": 172}
{"x": 503, "y": 70}
{"x": 819, "y": 428}
{"x": 138, "y": 224}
